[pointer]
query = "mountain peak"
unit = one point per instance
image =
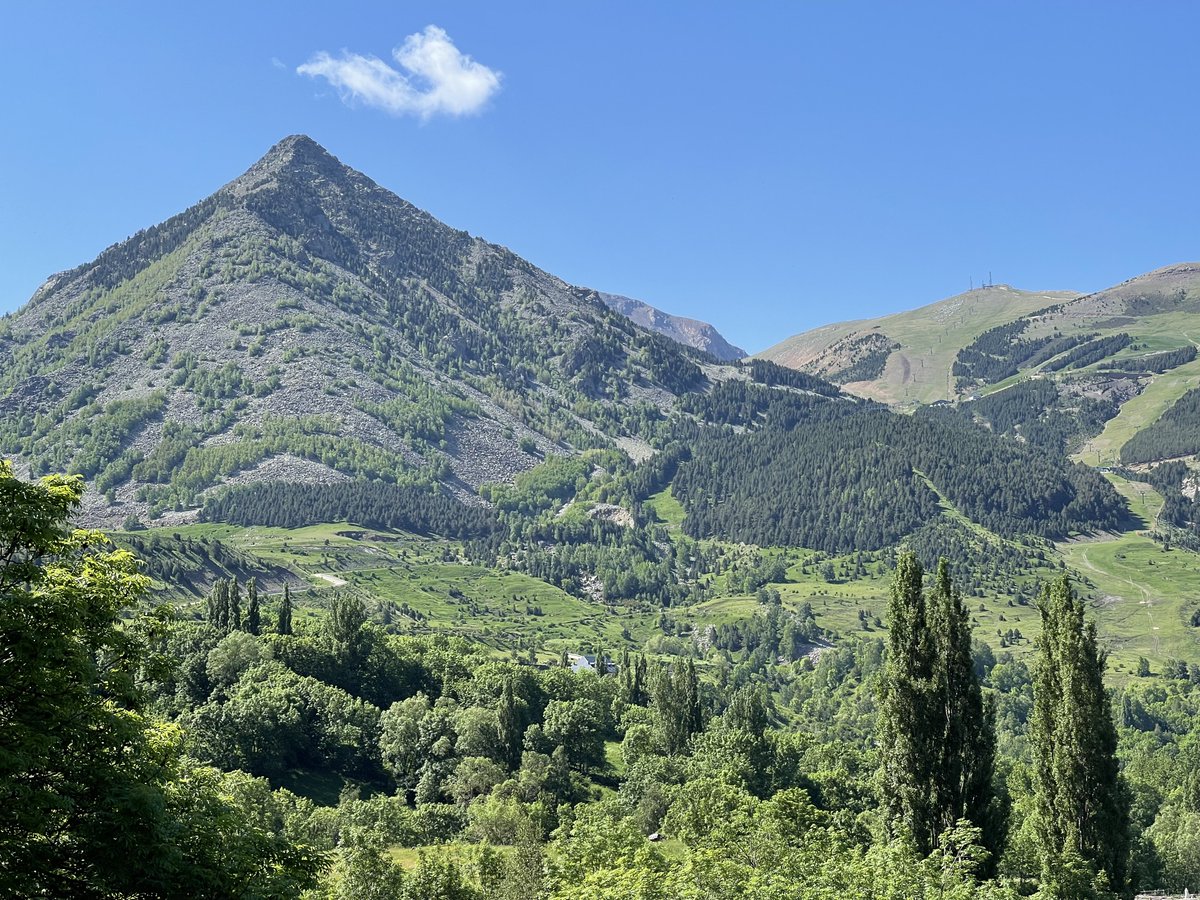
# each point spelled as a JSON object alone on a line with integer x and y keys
{"x": 296, "y": 154}
{"x": 295, "y": 148}
{"x": 691, "y": 332}
{"x": 344, "y": 333}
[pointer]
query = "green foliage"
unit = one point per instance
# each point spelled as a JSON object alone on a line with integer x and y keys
{"x": 1001, "y": 351}
{"x": 1157, "y": 363}
{"x": 1176, "y": 433}
{"x": 544, "y": 487}
{"x": 101, "y": 801}
{"x": 1039, "y": 412}
{"x": 844, "y": 477}
{"x": 869, "y": 352}
{"x": 1082, "y": 809}
{"x": 676, "y": 694}
{"x": 1090, "y": 352}
{"x": 936, "y": 739}
{"x": 420, "y": 510}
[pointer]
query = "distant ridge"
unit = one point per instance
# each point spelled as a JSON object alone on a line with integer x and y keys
{"x": 691, "y": 332}
{"x": 907, "y": 357}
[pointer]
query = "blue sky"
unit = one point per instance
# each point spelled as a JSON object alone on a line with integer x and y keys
{"x": 768, "y": 167}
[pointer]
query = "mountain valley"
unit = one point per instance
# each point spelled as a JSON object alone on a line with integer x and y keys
{"x": 446, "y": 556}
{"x": 264, "y": 357}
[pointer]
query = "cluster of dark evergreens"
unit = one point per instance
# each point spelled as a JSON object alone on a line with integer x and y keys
{"x": 1157, "y": 363}
{"x": 1180, "y": 513}
{"x": 870, "y": 353}
{"x": 1038, "y": 411}
{"x": 425, "y": 511}
{"x": 772, "y": 634}
{"x": 1090, "y": 352}
{"x": 854, "y": 477}
{"x": 188, "y": 564}
{"x": 979, "y": 563}
{"x": 1000, "y": 352}
{"x": 772, "y": 374}
{"x": 1175, "y": 433}
{"x": 656, "y": 473}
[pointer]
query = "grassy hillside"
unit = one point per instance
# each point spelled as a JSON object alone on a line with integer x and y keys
{"x": 1143, "y": 594}
{"x": 929, "y": 339}
{"x": 1160, "y": 393}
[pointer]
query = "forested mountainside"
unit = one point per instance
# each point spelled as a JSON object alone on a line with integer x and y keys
{"x": 687, "y": 331}
{"x": 304, "y": 324}
{"x": 1110, "y": 378}
{"x": 431, "y": 576}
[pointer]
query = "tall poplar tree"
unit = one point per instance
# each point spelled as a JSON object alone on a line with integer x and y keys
{"x": 284, "y": 625}
{"x": 218, "y": 605}
{"x": 676, "y": 695}
{"x": 235, "y": 606}
{"x": 964, "y": 725}
{"x": 937, "y": 741}
{"x": 253, "y": 621}
{"x": 510, "y": 723}
{"x": 907, "y": 728}
{"x": 212, "y": 613}
{"x": 1081, "y": 801}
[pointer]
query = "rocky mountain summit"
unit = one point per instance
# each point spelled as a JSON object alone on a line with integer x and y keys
{"x": 305, "y": 324}
{"x": 691, "y": 332}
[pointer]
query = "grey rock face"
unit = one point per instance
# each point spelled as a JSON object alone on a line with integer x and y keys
{"x": 304, "y": 324}
{"x": 691, "y": 332}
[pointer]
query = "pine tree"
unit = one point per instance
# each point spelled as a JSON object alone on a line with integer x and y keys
{"x": 964, "y": 726}
{"x": 908, "y": 730}
{"x": 1081, "y": 802}
{"x": 253, "y": 621}
{"x": 285, "y": 612}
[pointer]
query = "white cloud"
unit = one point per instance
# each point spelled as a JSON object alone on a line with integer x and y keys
{"x": 434, "y": 77}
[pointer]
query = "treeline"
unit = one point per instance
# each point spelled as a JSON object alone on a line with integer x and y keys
{"x": 421, "y": 510}
{"x": 853, "y": 477}
{"x": 742, "y": 403}
{"x": 1039, "y": 411}
{"x": 1178, "y": 510}
{"x": 773, "y": 633}
{"x": 1157, "y": 363}
{"x": 1000, "y": 352}
{"x": 772, "y": 374}
{"x": 1092, "y": 351}
{"x": 600, "y": 560}
{"x": 870, "y": 353}
{"x": 656, "y": 473}
{"x": 1175, "y": 433}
